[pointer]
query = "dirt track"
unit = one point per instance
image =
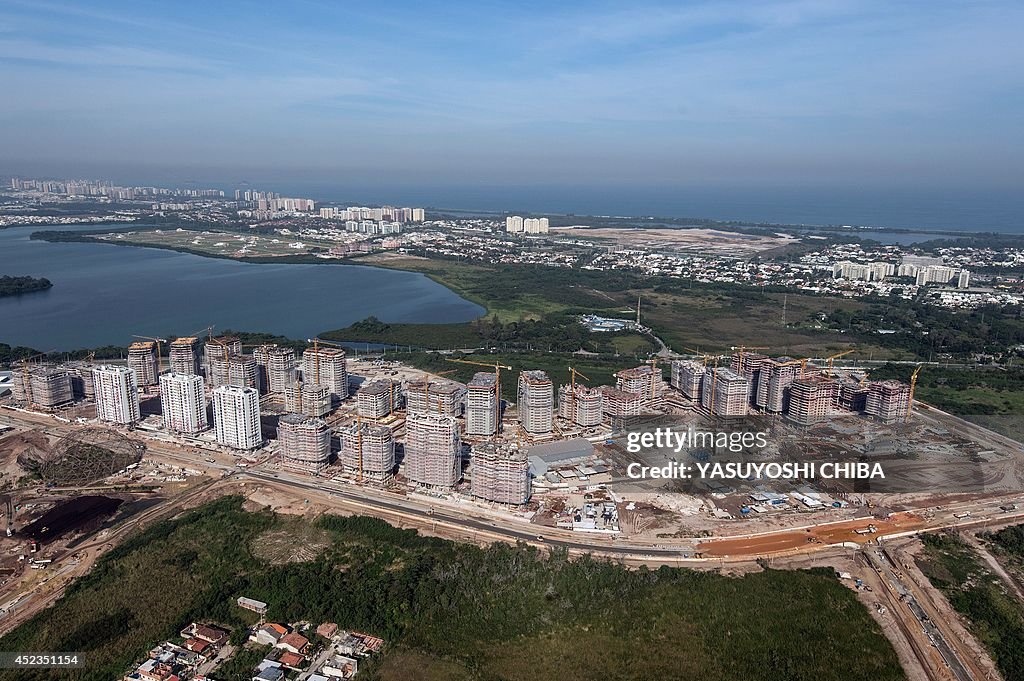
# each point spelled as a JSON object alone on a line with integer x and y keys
{"x": 826, "y": 534}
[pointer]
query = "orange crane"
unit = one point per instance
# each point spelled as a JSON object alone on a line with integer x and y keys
{"x": 158, "y": 341}
{"x": 497, "y": 385}
{"x": 913, "y": 388}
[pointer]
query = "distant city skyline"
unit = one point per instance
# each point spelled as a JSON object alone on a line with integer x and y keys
{"x": 827, "y": 92}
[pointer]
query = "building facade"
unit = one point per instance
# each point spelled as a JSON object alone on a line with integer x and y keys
{"x": 236, "y": 417}
{"x": 183, "y": 403}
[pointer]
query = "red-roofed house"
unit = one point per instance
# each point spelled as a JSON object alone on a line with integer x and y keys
{"x": 293, "y": 642}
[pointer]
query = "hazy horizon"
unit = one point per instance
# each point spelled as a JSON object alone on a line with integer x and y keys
{"x": 823, "y": 93}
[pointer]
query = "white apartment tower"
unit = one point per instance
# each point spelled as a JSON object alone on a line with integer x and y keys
{"x": 536, "y": 402}
{"x": 514, "y": 224}
{"x": 433, "y": 451}
{"x": 236, "y": 416}
{"x": 328, "y": 367}
{"x": 483, "y": 404}
{"x": 117, "y": 394}
{"x": 183, "y": 403}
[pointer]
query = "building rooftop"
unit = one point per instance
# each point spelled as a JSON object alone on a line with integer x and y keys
{"x": 483, "y": 379}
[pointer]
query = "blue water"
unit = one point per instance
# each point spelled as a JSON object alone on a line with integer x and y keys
{"x": 103, "y": 294}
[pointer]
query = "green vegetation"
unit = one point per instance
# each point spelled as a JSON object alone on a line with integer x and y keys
{"x": 709, "y": 316}
{"x": 16, "y": 286}
{"x": 972, "y": 391}
{"x": 558, "y": 332}
{"x": 931, "y": 332}
{"x": 459, "y": 611}
{"x": 991, "y": 396}
{"x": 599, "y": 369}
{"x": 994, "y": 616}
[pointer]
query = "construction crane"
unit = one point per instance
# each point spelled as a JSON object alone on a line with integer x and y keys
{"x": 26, "y": 380}
{"x": 572, "y": 390}
{"x": 426, "y": 390}
{"x": 913, "y": 388}
{"x": 158, "y": 341}
{"x": 714, "y": 375}
{"x": 497, "y": 385}
{"x": 830, "y": 358}
{"x": 742, "y": 349}
{"x": 802, "y": 362}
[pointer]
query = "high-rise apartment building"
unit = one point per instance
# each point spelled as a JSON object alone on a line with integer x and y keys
{"x": 725, "y": 392}
{"x": 236, "y": 416}
{"x": 773, "y": 383}
{"x": 536, "y": 402}
{"x": 142, "y": 358}
{"x": 433, "y": 451}
{"x": 584, "y": 407}
{"x": 436, "y": 396}
{"x": 117, "y": 394}
{"x": 183, "y": 402}
{"x": 514, "y": 224}
{"x": 645, "y": 381}
{"x": 368, "y": 451}
{"x": 310, "y": 399}
{"x": 184, "y": 356}
{"x": 327, "y": 367}
{"x": 812, "y": 399}
{"x": 304, "y": 443}
{"x": 483, "y": 405}
{"x": 686, "y": 378}
{"x": 500, "y": 473}
{"x": 377, "y": 399}
{"x": 887, "y": 401}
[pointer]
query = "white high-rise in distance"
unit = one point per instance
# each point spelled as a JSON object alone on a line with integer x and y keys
{"x": 117, "y": 394}
{"x": 236, "y": 416}
{"x": 183, "y": 403}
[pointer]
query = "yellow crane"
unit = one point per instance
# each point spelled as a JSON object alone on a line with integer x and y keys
{"x": 158, "y": 341}
{"x": 26, "y": 380}
{"x": 742, "y": 349}
{"x": 497, "y": 384}
{"x": 836, "y": 356}
{"x": 714, "y": 375}
{"x": 426, "y": 390}
{"x": 572, "y": 390}
{"x": 913, "y": 387}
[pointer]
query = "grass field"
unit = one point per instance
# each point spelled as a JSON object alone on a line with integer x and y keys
{"x": 453, "y": 611}
{"x": 707, "y": 319}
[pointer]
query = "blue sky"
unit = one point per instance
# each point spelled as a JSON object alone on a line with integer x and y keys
{"x": 773, "y": 92}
